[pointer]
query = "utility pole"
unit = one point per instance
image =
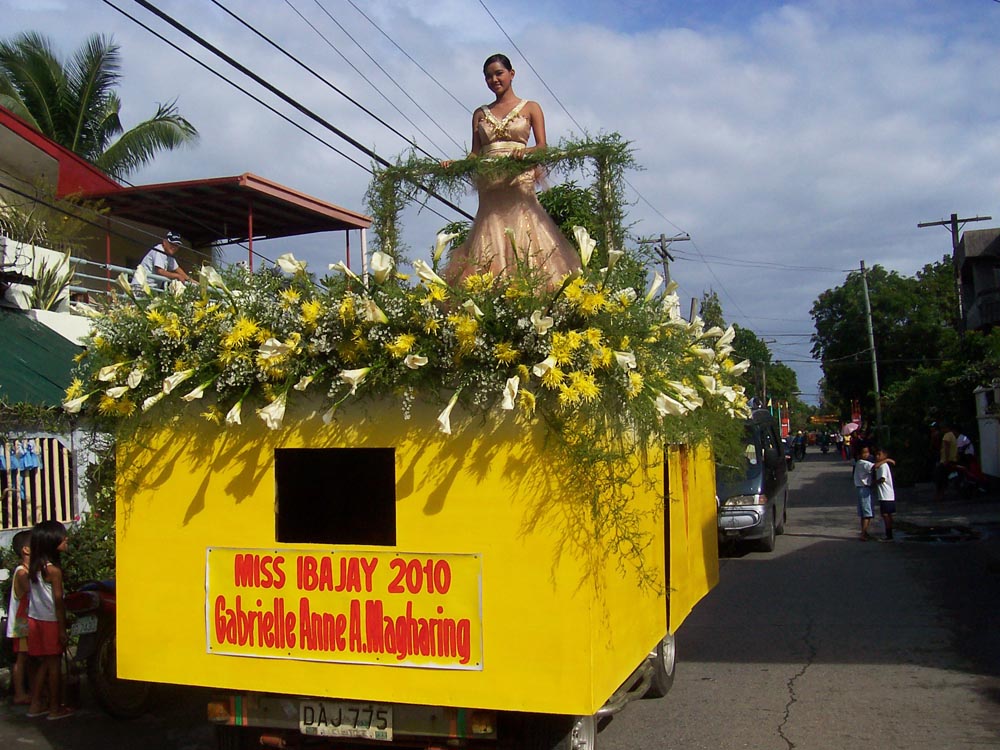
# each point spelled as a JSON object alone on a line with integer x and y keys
{"x": 871, "y": 347}
{"x": 953, "y": 223}
{"x": 664, "y": 243}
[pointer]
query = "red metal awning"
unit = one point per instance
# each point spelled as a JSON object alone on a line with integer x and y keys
{"x": 218, "y": 210}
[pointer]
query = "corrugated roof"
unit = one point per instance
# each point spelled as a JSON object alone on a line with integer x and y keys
{"x": 217, "y": 209}
{"x": 36, "y": 363}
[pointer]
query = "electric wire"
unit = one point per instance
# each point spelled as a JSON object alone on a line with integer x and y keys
{"x": 465, "y": 107}
{"x": 324, "y": 80}
{"x": 391, "y": 78}
{"x": 286, "y": 98}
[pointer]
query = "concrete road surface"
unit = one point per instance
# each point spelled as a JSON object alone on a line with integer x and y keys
{"x": 831, "y": 642}
{"x": 828, "y": 642}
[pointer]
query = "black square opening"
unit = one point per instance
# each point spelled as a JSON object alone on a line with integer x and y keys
{"x": 335, "y": 495}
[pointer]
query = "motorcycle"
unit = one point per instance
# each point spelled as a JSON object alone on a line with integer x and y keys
{"x": 95, "y": 626}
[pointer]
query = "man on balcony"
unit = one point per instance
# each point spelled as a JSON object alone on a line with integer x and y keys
{"x": 161, "y": 262}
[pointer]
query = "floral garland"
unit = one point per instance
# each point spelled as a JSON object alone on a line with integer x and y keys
{"x": 591, "y": 350}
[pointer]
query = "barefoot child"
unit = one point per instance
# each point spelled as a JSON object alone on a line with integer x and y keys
{"x": 883, "y": 489}
{"x": 47, "y": 634}
{"x": 17, "y": 617}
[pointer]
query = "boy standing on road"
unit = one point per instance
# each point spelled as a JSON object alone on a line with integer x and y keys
{"x": 862, "y": 484}
{"x": 883, "y": 489}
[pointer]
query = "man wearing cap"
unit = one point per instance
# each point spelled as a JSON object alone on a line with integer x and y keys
{"x": 160, "y": 259}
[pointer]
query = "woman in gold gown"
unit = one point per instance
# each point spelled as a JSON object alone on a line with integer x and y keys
{"x": 502, "y": 129}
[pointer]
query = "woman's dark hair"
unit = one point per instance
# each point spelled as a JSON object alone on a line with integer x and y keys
{"x": 45, "y": 540}
{"x": 502, "y": 59}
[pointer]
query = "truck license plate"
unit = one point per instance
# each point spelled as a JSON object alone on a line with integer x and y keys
{"x": 370, "y": 721}
{"x": 84, "y": 625}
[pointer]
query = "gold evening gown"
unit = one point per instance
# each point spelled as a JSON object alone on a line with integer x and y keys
{"x": 510, "y": 203}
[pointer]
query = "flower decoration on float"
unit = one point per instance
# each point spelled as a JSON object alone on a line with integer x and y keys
{"x": 594, "y": 351}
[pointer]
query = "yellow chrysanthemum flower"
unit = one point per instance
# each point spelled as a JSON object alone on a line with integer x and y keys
{"x": 242, "y": 332}
{"x": 601, "y": 358}
{"x": 75, "y": 389}
{"x": 466, "y": 327}
{"x": 402, "y": 345}
{"x": 479, "y": 283}
{"x": 289, "y": 297}
{"x": 432, "y": 325}
{"x": 574, "y": 291}
{"x": 311, "y": 311}
{"x": 594, "y": 337}
{"x": 564, "y": 344}
{"x": 347, "y": 309}
{"x": 172, "y": 327}
{"x": 592, "y": 302}
{"x": 107, "y": 405}
{"x": 523, "y": 373}
{"x": 553, "y": 378}
{"x": 155, "y": 317}
{"x": 585, "y": 385}
{"x": 568, "y": 395}
{"x": 527, "y": 400}
{"x": 506, "y": 353}
{"x": 435, "y": 293}
{"x": 212, "y": 414}
{"x": 635, "y": 384}
{"x": 126, "y": 407}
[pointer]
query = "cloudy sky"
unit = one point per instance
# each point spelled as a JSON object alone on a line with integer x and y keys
{"x": 790, "y": 140}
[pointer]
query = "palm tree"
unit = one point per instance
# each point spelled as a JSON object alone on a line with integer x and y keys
{"x": 75, "y": 105}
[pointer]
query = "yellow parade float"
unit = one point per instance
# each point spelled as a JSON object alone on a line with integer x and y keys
{"x": 387, "y": 507}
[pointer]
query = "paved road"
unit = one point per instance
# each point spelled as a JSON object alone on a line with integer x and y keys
{"x": 830, "y": 642}
{"x": 826, "y": 643}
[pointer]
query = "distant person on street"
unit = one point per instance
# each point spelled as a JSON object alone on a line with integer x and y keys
{"x": 883, "y": 489}
{"x": 862, "y": 486}
{"x": 161, "y": 262}
{"x": 947, "y": 458}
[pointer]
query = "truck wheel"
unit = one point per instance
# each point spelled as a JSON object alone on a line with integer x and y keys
{"x": 663, "y": 659}
{"x": 123, "y": 699}
{"x": 766, "y": 542}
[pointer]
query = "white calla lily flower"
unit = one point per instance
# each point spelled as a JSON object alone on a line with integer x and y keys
{"x": 123, "y": 282}
{"x": 426, "y": 273}
{"x": 141, "y": 279}
{"x": 585, "y": 243}
{"x": 304, "y": 382}
{"x": 135, "y": 377}
{"x": 342, "y": 268}
{"x": 117, "y": 391}
{"x": 544, "y": 366}
{"x": 274, "y": 412}
{"x": 509, "y": 398}
{"x": 669, "y": 407}
{"x": 472, "y": 308}
{"x": 442, "y": 242}
{"x": 234, "y": 416}
{"x": 273, "y": 348}
{"x": 740, "y": 368}
{"x": 107, "y": 374}
{"x": 655, "y": 286}
{"x": 414, "y": 361}
{"x": 625, "y": 360}
{"x": 354, "y": 378}
{"x": 209, "y": 277}
{"x": 709, "y": 382}
{"x": 713, "y": 333}
{"x": 372, "y": 312}
{"x": 152, "y": 401}
{"x": 198, "y": 392}
{"x": 176, "y": 287}
{"x": 708, "y": 355}
{"x": 74, "y": 405}
{"x": 444, "y": 418}
{"x": 288, "y": 264}
{"x": 613, "y": 257}
{"x": 541, "y": 323}
{"x": 176, "y": 379}
{"x": 380, "y": 266}
{"x": 727, "y": 337}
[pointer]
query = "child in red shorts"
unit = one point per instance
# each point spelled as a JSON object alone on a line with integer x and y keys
{"x": 47, "y": 634}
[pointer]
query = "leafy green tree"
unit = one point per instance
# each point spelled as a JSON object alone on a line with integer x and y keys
{"x": 74, "y": 103}
{"x": 914, "y": 324}
{"x": 711, "y": 309}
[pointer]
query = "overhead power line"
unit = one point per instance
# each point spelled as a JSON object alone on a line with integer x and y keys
{"x": 285, "y": 97}
{"x": 378, "y": 65}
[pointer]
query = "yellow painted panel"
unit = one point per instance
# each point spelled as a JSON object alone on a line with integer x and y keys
{"x": 694, "y": 534}
{"x": 563, "y": 620}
